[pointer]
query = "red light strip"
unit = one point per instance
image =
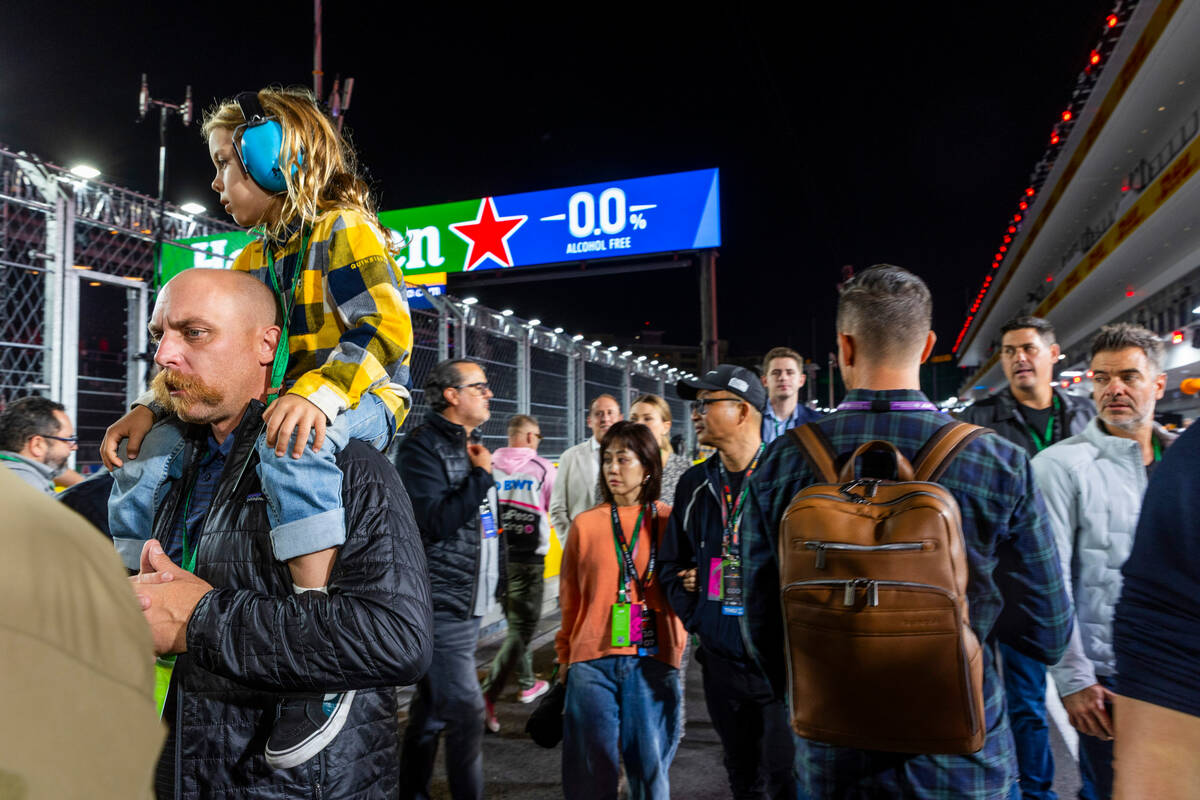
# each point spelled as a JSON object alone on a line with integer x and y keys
{"x": 1111, "y": 21}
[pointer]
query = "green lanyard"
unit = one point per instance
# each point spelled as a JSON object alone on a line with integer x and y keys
{"x": 164, "y": 666}
{"x": 286, "y": 304}
{"x": 1157, "y": 448}
{"x": 625, "y": 556}
{"x": 1044, "y": 441}
{"x": 11, "y": 458}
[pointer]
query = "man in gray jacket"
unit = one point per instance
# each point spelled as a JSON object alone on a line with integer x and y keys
{"x": 36, "y": 440}
{"x": 1093, "y": 485}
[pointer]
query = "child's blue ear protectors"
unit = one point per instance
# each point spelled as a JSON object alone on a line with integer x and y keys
{"x": 259, "y": 143}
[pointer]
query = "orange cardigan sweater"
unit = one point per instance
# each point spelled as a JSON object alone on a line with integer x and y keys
{"x": 588, "y": 588}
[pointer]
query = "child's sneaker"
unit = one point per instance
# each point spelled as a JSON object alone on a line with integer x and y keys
{"x": 493, "y": 724}
{"x": 304, "y": 726}
{"x": 538, "y": 689}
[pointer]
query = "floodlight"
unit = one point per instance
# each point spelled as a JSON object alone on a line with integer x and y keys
{"x": 85, "y": 171}
{"x": 533, "y": 323}
{"x": 508, "y": 312}
{"x": 192, "y": 208}
{"x": 470, "y": 301}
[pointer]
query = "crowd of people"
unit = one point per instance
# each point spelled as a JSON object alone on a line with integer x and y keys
{"x": 289, "y": 577}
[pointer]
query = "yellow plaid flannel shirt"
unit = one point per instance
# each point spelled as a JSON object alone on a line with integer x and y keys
{"x": 350, "y": 329}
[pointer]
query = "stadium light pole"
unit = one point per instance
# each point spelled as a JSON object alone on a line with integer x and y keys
{"x": 165, "y": 109}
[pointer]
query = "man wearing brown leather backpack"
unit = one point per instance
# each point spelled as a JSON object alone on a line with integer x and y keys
{"x": 957, "y": 557}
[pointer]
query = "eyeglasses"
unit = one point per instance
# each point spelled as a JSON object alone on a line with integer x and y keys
{"x": 700, "y": 407}
{"x": 480, "y": 387}
{"x": 67, "y": 439}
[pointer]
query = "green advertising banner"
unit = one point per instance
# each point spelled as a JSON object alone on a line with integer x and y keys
{"x": 216, "y": 251}
{"x": 638, "y": 216}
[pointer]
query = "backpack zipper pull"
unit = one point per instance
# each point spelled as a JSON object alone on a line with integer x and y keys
{"x": 850, "y": 590}
{"x": 820, "y": 555}
{"x": 873, "y": 593}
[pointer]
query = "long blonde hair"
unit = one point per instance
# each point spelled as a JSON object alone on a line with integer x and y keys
{"x": 319, "y": 164}
{"x": 664, "y": 411}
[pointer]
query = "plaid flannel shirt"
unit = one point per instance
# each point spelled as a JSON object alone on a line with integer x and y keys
{"x": 1015, "y": 591}
{"x": 350, "y": 329}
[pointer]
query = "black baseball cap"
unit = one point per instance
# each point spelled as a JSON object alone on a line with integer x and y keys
{"x": 743, "y": 382}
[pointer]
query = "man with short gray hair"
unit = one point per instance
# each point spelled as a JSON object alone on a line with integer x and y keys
{"x": 448, "y": 474}
{"x": 1093, "y": 483}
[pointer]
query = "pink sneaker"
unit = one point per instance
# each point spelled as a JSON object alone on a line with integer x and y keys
{"x": 533, "y": 692}
{"x": 492, "y": 724}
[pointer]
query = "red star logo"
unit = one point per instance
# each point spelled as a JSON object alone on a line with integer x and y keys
{"x": 488, "y": 235}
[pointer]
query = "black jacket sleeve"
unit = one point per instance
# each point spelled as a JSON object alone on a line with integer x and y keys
{"x": 375, "y": 627}
{"x": 441, "y": 508}
{"x": 677, "y": 552}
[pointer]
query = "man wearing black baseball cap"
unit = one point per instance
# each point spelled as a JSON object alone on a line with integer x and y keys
{"x": 701, "y": 573}
{"x": 727, "y": 378}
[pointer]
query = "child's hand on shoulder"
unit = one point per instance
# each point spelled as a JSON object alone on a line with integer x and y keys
{"x": 293, "y": 413}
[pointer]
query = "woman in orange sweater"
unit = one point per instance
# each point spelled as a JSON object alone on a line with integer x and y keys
{"x": 619, "y": 638}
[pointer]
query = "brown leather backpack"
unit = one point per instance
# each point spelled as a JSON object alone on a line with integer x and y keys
{"x": 873, "y": 577}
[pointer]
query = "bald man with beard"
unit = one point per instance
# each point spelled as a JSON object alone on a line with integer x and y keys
{"x": 217, "y": 599}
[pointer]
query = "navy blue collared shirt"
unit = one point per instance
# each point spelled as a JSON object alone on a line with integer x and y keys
{"x": 196, "y": 502}
{"x": 773, "y": 427}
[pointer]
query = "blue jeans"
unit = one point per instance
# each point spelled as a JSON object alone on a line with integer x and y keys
{"x": 304, "y": 495}
{"x": 1096, "y": 760}
{"x": 620, "y": 707}
{"x": 1025, "y": 692}
{"x": 448, "y": 699}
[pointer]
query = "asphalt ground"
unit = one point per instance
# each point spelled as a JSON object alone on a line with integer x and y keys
{"x": 515, "y": 767}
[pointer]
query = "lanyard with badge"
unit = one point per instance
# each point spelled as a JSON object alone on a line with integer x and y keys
{"x": 164, "y": 666}
{"x": 286, "y": 304}
{"x": 1041, "y": 442}
{"x": 634, "y": 623}
{"x": 725, "y": 571}
{"x": 487, "y": 520}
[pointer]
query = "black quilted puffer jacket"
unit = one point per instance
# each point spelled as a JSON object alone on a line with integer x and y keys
{"x": 447, "y": 492}
{"x": 252, "y": 638}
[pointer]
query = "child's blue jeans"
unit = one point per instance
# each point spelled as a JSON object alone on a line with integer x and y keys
{"x": 304, "y": 495}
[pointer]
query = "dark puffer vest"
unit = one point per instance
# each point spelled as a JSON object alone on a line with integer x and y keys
{"x": 447, "y": 492}
{"x": 252, "y": 638}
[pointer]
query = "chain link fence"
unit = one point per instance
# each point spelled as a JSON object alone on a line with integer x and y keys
{"x": 77, "y": 263}
{"x": 533, "y": 370}
{"x": 77, "y": 258}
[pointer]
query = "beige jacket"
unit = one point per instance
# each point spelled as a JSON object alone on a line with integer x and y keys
{"x": 576, "y": 489}
{"x": 77, "y": 663}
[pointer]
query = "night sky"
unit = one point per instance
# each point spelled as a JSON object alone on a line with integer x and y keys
{"x": 871, "y": 132}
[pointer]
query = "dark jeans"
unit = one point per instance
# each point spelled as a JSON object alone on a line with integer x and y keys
{"x": 522, "y": 609}
{"x": 1096, "y": 761}
{"x": 1025, "y": 692}
{"x": 754, "y": 729}
{"x": 620, "y": 707}
{"x": 448, "y": 699}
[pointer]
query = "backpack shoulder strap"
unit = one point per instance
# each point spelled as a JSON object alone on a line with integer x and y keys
{"x": 817, "y": 451}
{"x": 946, "y": 443}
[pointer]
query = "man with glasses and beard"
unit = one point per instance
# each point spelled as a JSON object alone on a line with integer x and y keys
{"x": 448, "y": 474}
{"x": 36, "y": 440}
{"x": 1093, "y": 484}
